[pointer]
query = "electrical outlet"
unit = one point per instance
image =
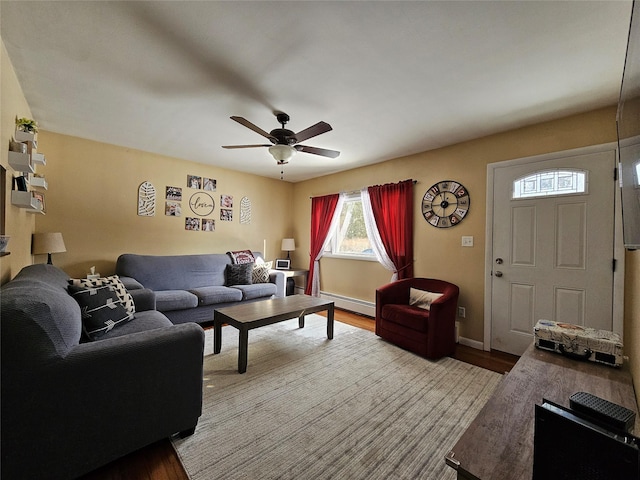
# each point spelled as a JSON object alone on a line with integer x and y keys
{"x": 467, "y": 241}
{"x": 462, "y": 312}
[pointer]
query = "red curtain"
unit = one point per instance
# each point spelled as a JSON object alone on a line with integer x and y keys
{"x": 322, "y": 210}
{"x": 392, "y": 206}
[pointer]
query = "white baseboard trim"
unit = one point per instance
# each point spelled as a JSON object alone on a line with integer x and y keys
{"x": 351, "y": 304}
{"x": 471, "y": 343}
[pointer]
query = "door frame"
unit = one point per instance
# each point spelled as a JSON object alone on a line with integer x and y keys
{"x": 618, "y": 247}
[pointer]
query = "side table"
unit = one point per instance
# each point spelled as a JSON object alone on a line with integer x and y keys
{"x": 290, "y": 280}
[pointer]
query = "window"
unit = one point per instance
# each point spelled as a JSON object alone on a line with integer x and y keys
{"x": 350, "y": 237}
{"x": 551, "y": 183}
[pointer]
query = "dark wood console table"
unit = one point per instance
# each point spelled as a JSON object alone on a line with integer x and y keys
{"x": 498, "y": 445}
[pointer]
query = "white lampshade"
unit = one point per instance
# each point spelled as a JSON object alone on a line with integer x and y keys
{"x": 288, "y": 245}
{"x": 47, "y": 243}
{"x": 282, "y": 153}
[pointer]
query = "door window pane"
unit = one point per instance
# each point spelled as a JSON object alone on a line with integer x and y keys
{"x": 551, "y": 183}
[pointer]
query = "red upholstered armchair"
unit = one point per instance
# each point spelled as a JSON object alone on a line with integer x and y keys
{"x": 428, "y": 333}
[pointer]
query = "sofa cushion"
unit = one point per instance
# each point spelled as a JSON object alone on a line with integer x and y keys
{"x": 175, "y": 300}
{"x": 258, "y": 290}
{"x": 239, "y": 274}
{"x": 102, "y": 309}
{"x": 406, "y": 315}
{"x": 422, "y": 299}
{"x": 213, "y": 295}
{"x": 260, "y": 273}
{"x": 174, "y": 272}
{"x": 116, "y": 284}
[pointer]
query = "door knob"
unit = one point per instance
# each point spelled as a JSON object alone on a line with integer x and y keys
{"x": 498, "y": 274}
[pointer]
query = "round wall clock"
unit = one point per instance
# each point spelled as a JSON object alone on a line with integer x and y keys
{"x": 445, "y": 204}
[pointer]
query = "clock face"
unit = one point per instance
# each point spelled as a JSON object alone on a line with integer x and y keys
{"x": 445, "y": 204}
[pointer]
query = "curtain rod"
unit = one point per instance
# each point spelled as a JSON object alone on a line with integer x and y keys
{"x": 353, "y": 192}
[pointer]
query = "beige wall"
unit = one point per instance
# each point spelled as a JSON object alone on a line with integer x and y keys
{"x": 438, "y": 252}
{"x": 93, "y": 200}
{"x": 632, "y": 316}
{"x": 18, "y": 223}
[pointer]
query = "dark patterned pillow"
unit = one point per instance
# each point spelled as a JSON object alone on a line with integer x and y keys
{"x": 118, "y": 286}
{"x": 242, "y": 256}
{"x": 261, "y": 272}
{"x": 102, "y": 309}
{"x": 239, "y": 274}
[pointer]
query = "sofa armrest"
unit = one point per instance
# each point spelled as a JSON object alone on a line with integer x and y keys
{"x": 280, "y": 280}
{"x": 144, "y": 299}
{"x": 130, "y": 283}
{"x": 144, "y": 377}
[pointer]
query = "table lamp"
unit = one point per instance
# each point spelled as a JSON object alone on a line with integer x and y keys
{"x": 47, "y": 243}
{"x": 288, "y": 245}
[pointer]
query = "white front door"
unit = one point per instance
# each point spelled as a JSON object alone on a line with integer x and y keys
{"x": 552, "y": 251}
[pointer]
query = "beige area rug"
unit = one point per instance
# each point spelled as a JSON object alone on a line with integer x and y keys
{"x": 355, "y": 407}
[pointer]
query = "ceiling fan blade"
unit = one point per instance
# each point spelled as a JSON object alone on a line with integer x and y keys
{"x": 317, "y": 151}
{"x": 245, "y": 146}
{"x": 312, "y": 131}
{"x": 251, "y": 126}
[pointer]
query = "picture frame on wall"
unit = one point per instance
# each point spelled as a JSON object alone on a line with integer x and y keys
{"x": 208, "y": 225}
{"x": 174, "y": 193}
{"x": 173, "y": 209}
{"x": 226, "y": 215}
{"x": 209, "y": 184}
{"x": 194, "y": 181}
{"x": 283, "y": 264}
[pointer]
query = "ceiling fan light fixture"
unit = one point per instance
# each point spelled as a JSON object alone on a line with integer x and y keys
{"x": 282, "y": 153}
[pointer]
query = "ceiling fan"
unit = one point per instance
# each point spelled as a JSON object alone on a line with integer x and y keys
{"x": 284, "y": 142}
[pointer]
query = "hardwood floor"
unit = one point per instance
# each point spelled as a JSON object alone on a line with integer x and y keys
{"x": 159, "y": 461}
{"x": 494, "y": 360}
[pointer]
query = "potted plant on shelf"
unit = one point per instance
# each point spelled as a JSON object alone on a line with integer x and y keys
{"x": 26, "y": 129}
{"x": 26, "y": 125}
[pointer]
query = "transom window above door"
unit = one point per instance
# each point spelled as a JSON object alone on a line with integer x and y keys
{"x": 546, "y": 183}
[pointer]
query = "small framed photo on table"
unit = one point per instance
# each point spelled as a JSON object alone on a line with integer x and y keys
{"x": 283, "y": 264}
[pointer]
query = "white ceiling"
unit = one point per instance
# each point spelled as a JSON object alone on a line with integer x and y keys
{"x": 392, "y": 78}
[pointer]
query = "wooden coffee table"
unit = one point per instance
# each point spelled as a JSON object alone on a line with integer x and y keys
{"x": 252, "y": 315}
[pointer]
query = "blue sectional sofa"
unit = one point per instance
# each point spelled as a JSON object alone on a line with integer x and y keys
{"x": 189, "y": 288}
{"x": 70, "y": 405}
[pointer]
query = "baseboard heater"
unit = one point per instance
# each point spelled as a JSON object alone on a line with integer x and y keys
{"x": 351, "y": 304}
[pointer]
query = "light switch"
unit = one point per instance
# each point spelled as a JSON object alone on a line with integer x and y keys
{"x": 467, "y": 241}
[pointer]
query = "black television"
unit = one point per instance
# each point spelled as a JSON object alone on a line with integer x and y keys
{"x": 568, "y": 446}
{"x": 628, "y": 124}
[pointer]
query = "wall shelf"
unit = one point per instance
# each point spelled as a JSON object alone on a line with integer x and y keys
{"x": 38, "y": 159}
{"x": 21, "y": 162}
{"x": 24, "y": 164}
{"x": 27, "y": 201}
{"x": 39, "y": 182}
{"x": 25, "y": 136}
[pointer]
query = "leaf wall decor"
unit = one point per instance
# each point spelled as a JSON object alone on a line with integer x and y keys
{"x": 245, "y": 211}
{"x": 146, "y": 200}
